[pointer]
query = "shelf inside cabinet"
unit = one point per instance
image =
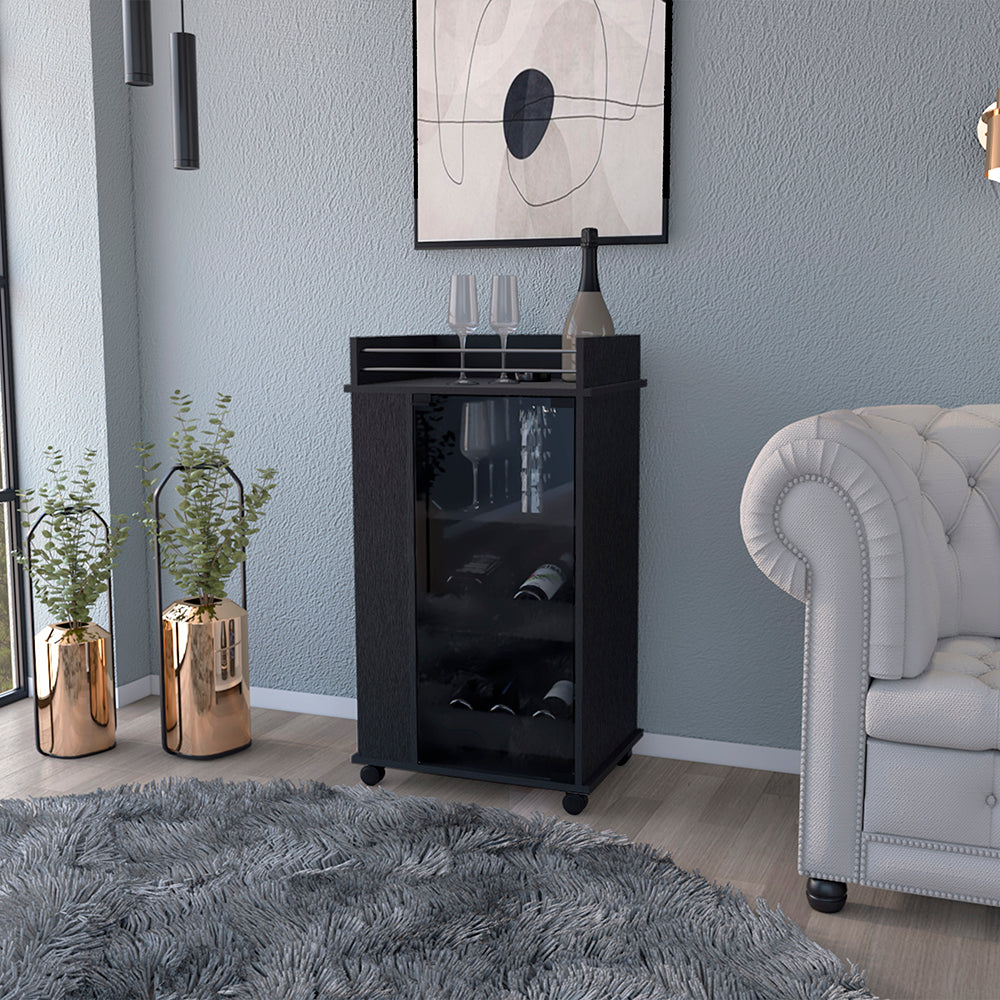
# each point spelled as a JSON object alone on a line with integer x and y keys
{"x": 494, "y": 741}
{"x": 503, "y": 618}
{"x": 556, "y": 509}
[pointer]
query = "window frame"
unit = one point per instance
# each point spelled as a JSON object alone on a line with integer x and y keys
{"x": 19, "y": 640}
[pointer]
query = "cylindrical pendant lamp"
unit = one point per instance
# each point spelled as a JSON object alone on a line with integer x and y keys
{"x": 137, "y": 32}
{"x": 182, "y": 61}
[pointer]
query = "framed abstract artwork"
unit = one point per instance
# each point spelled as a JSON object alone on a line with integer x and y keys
{"x": 534, "y": 119}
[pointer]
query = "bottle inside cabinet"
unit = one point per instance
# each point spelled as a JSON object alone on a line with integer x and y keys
{"x": 494, "y": 521}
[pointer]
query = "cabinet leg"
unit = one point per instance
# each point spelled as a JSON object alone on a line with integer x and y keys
{"x": 574, "y": 803}
{"x": 372, "y": 774}
{"x": 625, "y": 759}
{"x": 825, "y": 896}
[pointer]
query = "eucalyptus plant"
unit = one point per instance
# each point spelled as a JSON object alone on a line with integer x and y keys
{"x": 73, "y": 557}
{"x": 204, "y": 539}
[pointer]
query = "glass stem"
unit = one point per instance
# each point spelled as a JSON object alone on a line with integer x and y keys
{"x": 461, "y": 356}
{"x": 475, "y": 484}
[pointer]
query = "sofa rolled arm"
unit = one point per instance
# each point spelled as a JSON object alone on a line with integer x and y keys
{"x": 825, "y": 514}
{"x": 839, "y": 452}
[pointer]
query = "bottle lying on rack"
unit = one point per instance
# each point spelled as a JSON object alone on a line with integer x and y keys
{"x": 478, "y": 694}
{"x": 547, "y": 581}
{"x": 473, "y": 694}
{"x": 507, "y": 700}
{"x": 472, "y": 575}
{"x": 558, "y": 701}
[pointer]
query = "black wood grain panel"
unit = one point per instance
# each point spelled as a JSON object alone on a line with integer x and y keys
{"x": 605, "y": 360}
{"x": 382, "y": 439}
{"x": 607, "y": 575}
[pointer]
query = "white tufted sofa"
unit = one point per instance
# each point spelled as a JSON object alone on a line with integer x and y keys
{"x": 885, "y": 521}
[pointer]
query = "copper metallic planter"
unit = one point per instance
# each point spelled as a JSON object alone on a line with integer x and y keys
{"x": 74, "y": 691}
{"x": 206, "y": 691}
{"x": 74, "y": 673}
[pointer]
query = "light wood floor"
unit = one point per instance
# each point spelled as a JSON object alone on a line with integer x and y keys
{"x": 734, "y": 825}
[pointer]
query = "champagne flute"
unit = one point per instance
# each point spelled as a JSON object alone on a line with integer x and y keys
{"x": 463, "y": 316}
{"x": 475, "y": 441}
{"x": 504, "y": 316}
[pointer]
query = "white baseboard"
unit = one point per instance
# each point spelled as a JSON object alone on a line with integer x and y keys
{"x": 284, "y": 701}
{"x": 298, "y": 701}
{"x": 651, "y": 744}
{"x": 717, "y": 752}
{"x": 137, "y": 690}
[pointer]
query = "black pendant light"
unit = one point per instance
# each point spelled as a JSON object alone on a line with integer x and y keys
{"x": 137, "y": 29}
{"x": 183, "y": 66}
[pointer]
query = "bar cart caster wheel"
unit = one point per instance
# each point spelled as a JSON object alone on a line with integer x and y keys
{"x": 625, "y": 759}
{"x": 574, "y": 803}
{"x": 372, "y": 774}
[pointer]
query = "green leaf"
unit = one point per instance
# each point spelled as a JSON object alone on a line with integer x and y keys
{"x": 201, "y": 541}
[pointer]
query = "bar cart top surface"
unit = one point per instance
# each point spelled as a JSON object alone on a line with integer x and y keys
{"x": 430, "y": 363}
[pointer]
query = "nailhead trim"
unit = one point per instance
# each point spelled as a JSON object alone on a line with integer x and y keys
{"x": 807, "y": 662}
{"x": 864, "y": 839}
{"x": 927, "y": 845}
{"x": 937, "y": 845}
{"x": 829, "y": 876}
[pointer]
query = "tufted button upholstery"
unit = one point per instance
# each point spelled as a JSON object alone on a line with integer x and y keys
{"x": 954, "y": 456}
{"x": 885, "y": 521}
{"x": 955, "y": 703}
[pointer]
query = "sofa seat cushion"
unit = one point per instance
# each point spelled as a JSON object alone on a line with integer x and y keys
{"x": 954, "y": 703}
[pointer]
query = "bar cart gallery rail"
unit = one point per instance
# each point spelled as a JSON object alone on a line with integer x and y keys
{"x": 495, "y": 552}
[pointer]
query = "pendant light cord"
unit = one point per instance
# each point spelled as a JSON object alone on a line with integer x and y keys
{"x": 182, "y": 15}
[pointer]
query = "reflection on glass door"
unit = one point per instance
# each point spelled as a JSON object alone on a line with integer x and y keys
{"x": 495, "y": 583}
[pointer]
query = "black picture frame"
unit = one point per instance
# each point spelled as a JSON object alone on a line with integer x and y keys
{"x": 443, "y": 215}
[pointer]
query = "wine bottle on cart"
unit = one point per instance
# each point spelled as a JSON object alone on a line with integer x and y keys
{"x": 588, "y": 316}
{"x": 507, "y": 700}
{"x": 558, "y": 701}
{"x": 482, "y": 694}
{"x": 472, "y": 575}
{"x": 547, "y": 581}
{"x": 469, "y": 695}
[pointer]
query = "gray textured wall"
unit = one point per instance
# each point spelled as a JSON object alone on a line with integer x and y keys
{"x": 830, "y": 245}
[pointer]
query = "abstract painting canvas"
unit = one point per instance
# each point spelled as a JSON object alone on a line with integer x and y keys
{"x": 537, "y": 118}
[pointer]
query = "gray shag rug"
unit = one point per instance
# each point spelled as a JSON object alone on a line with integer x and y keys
{"x": 187, "y": 890}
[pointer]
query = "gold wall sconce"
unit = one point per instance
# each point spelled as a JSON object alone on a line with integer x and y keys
{"x": 988, "y": 131}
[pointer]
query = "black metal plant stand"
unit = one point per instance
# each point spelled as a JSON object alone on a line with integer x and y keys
{"x": 67, "y": 511}
{"x": 159, "y": 586}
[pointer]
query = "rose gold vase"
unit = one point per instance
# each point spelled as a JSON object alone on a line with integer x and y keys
{"x": 206, "y": 692}
{"x": 74, "y": 690}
